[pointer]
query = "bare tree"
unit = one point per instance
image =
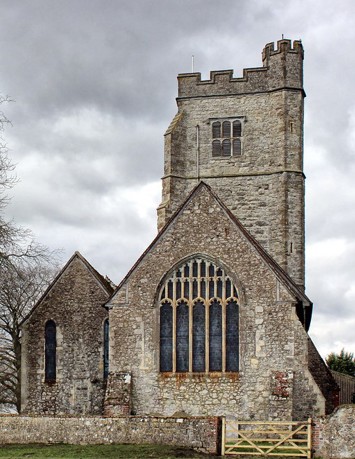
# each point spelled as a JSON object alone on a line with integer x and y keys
{"x": 26, "y": 268}
{"x": 15, "y": 242}
{"x": 21, "y": 285}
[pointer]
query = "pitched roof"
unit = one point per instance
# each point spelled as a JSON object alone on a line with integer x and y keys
{"x": 304, "y": 315}
{"x": 102, "y": 281}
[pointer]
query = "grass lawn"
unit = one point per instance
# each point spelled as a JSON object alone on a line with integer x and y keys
{"x": 97, "y": 451}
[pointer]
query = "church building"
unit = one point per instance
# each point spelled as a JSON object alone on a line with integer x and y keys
{"x": 213, "y": 317}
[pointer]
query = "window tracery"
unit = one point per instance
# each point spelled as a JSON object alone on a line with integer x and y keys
{"x": 199, "y": 320}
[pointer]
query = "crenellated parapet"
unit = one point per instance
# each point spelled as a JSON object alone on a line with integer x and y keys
{"x": 282, "y": 69}
{"x": 283, "y": 46}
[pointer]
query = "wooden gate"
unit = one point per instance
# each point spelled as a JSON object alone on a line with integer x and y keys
{"x": 247, "y": 438}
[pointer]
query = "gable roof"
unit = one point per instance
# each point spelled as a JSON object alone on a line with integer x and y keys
{"x": 105, "y": 284}
{"x": 304, "y": 312}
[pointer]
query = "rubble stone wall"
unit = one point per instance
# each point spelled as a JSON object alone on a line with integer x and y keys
{"x": 199, "y": 433}
{"x": 333, "y": 435}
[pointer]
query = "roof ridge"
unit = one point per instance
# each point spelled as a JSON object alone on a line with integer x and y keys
{"x": 108, "y": 287}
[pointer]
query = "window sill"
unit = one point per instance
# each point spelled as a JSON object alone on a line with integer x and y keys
{"x": 211, "y": 376}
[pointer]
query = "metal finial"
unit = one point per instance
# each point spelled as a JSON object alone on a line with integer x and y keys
{"x": 192, "y": 63}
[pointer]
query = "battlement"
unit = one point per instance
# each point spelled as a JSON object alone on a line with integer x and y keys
{"x": 283, "y": 46}
{"x": 282, "y": 69}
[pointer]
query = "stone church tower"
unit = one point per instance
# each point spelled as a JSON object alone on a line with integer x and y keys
{"x": 244, "y": 137}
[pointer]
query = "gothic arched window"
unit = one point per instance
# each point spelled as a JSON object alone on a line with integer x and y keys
{"x": 106, "y": 347}
{"x": 199, "y": 320}
{"x": 50, "y": 351}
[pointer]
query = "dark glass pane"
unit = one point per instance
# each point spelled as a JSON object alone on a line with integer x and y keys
{"x": 186, "y": 270}
{"x": 178, "y": 273}
{"x": 182, "y": 338}
{"x": 211, "y": 289}
{"x": 216, "y": 130}
{"x": 203, "y": 268}
{"x": 228, "y": 288}
{"x": 166, "y": 337}
{"x": 50, "y": 351}
{"x": 219, "y": 272}
{"x": 226, "y": 148}
{"x": 106, "y": 348}
{"x": 203, "y": 289}
{"x": 170, "y": 290}
{"x": 211, "y": 271}
{"x": 226, "y": 129}
{"x": 219, "y": 288}
{"x": 194, "y": 289}
{"x": 235, "y": 293}
{"x": 186, "y": 289}
{"x": 237, "y": 149}
{"x": 232, "y": 337}
{"x": 198, "y": 346}
{"x": 162, "y": 294}
{"x": 216, "y": 148}
{"x": 237, "y": 128}
{"x": 194, "y": 269}
{"x": 215, "y": 337}
{"x": 178, "y": 289}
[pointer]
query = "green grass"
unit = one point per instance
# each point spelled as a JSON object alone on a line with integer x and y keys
{"x": 97, "y": 451}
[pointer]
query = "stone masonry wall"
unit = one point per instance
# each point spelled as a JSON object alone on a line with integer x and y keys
{"x": 199, "y": 433}
{"x": 74, "y": 302}
{"x": 272, "y": 339}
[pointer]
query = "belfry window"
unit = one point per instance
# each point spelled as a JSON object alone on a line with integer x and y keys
{"x": 199, "y": 320}
{"x": 50, "y": 351}
{"x": 227, "y": 138}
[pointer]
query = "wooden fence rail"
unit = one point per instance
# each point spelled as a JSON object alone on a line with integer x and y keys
{"x": 257, "y": 438}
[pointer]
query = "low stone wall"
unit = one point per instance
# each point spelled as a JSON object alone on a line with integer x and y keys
{"x": 199, "y": 433}
{"x": 334, "y": 435}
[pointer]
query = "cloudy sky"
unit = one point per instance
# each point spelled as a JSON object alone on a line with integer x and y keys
{"x": 94, "y": 84}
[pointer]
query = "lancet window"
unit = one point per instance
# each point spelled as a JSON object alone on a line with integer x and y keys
{"x": 106, "y": 347}
{"x": 199, "y": 320}
{"x": 50, "y": 351}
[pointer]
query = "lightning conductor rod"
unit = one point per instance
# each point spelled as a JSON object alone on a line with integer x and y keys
{"x": 192, "y": 63}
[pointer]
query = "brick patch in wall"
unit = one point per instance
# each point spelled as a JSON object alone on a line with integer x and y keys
{"x": 333, "y": 436}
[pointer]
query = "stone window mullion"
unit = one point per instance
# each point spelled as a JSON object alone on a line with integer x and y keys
{"x": 223, "y": 336}
{"x": 207, "y": 338}
{"x": 190, "y": 334}
{"x": 174, "y": 336}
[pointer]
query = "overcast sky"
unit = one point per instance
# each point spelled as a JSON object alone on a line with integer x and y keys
{"x": 94, "y": 84}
